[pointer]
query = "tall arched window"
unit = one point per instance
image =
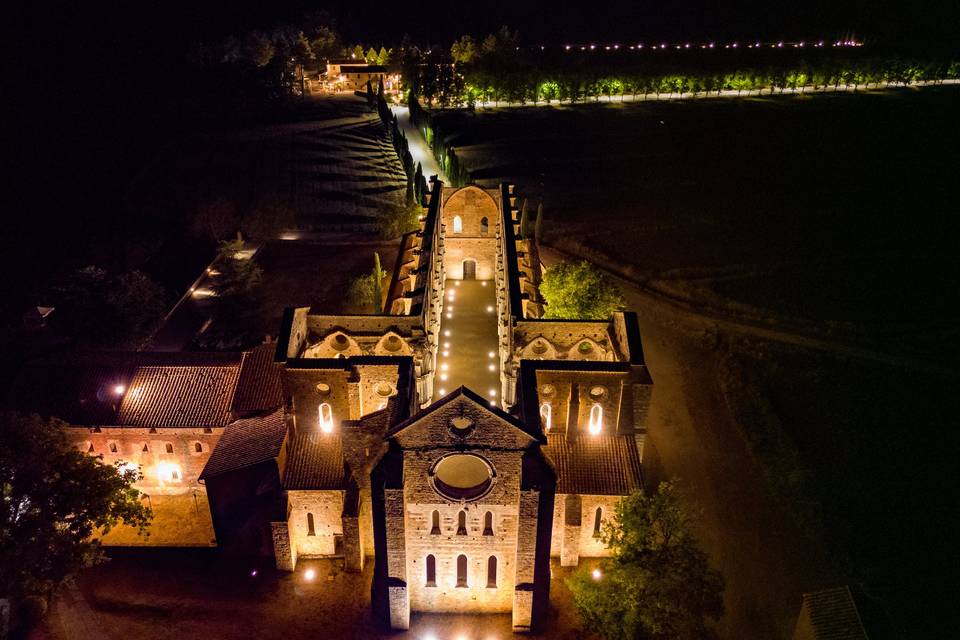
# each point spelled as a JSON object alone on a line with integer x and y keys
{"x": 488, "y": 524}
{"x": 461, "y": 570}
{"x": 169, "y": 448}
{"x": 431, "y": 571}
{"x": 198, "y": 447}
{"x": 462, "y": 523}
{"x": 596, "y": 419}
{"x": 435, "y": 524}
{"x": 546, "y": 415}
{"x": 457, "y": 224}
{"x": 484, "y": 226}
{"x": 492, "y": 572}
{"x": 311, "y": 530}
{"x": 597, "y": 519}
{"x": 326, "y": 417}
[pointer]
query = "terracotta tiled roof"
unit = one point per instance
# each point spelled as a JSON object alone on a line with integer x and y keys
{"x": 258, "y": 388}
{"x": 179, "y": 396}
{"x": 602, "y": 465}
{"x": 833, "y": 615}
{"x": 93, "y": 388}
{"x": 247, "y": 442}
{"x": 316, "y": 462}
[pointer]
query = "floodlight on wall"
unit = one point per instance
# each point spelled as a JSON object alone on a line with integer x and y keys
{"x": 326, "y": 417}
{"x": 596, "y": 419}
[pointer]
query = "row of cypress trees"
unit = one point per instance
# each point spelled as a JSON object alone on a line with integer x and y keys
{"x": 417, "y": 188}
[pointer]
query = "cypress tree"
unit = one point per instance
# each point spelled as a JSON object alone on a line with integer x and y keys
{"x": 380, "y": 89}
{"x": 410, "y": 196}
{"x": 537, "y": 225}
{"x": 408, "y": 164}
{"x": 523, "y": 219}
{"x": 377, "y": 286}
{"x": 418, "y": 183}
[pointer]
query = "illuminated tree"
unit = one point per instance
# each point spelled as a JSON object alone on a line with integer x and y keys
{"x": 579, "y": 291}
{"x": 657, "y": 584}
{"x": 57, "y": 503}
{"x": 464, "y": 50}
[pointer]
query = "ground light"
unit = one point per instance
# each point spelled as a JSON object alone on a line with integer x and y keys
{"x": 309, "y": 575}
{"x": 597, "y": 574}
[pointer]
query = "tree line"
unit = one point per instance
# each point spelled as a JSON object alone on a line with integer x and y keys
{"x": 496, "y": 69}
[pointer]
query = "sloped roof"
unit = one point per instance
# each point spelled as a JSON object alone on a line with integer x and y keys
{"x": 601, "y": 465}
{"x": 88, "y": 388}
{"x": 833, "y": 615}
{"x": 316, "y": 462}
{"x": 178, "y": 396}
{"x": 259, "y": 387}
{"x": 477, "y": 399}
{"x": 247, "y": 442}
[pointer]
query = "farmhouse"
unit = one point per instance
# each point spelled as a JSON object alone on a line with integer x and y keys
{"x": 458, "y": 441}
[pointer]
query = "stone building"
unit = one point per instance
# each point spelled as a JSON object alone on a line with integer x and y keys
{"x": 341, "y": 439}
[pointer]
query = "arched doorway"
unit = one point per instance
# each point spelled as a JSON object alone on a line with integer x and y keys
{"x": 469, "y": 269}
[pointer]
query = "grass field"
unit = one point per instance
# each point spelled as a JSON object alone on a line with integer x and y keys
{"x": 828, "y": 209}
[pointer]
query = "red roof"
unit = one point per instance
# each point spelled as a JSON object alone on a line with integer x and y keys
{"x": 601, "y": 465}
{"x": 259, "y": 387}
{"x": 247, "y": 442}
{"x": 179, "y": 396}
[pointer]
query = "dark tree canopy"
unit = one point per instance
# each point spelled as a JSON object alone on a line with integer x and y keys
{"x": 56, "y": 502}
{"x": 579, "y": 291}
{"x": 657, "y": 585}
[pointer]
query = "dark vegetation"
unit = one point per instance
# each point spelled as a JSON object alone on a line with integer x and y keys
{"x": 658, "y": 584}
{"x": 56, "y": 499}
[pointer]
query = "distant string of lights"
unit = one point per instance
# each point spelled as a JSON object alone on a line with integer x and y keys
{"x": 682, "y": 46}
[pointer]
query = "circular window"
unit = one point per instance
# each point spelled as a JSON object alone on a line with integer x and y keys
{"x": 585, "y": 347}
{"x": 539, "y": 348}
{"x": 340, "y": 342}
{"x": 384, "y": 389}
{"x": 461, "y": 426}
{"x": 323, "y": 388}
{"x": 597, "y": 393}
{"x": 392, "y": 343}
{"x": 547, "y": 390}
{"x": 462, "y": 476}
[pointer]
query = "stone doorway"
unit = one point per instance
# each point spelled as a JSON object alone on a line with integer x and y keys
{"x": 469, "y": 269}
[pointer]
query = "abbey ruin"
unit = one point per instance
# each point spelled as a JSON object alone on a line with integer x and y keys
{"x": 458, "y": 441}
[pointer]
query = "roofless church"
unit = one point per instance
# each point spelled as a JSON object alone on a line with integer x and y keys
{"x": 457, "y": 442}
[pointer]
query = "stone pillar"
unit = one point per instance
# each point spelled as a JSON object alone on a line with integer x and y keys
{"x": 570, "y": 542}
{"x": 642, "y": 394}
{"x": 396, "y": 559}
{"x": 573, "y": 413}
{"x": 353, "y": 554}
{"x": 353, "y": 396}
{"x": 526, "y": 560}
{"x": 283, "y": 549}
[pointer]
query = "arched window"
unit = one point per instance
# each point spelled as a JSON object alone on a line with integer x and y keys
{"x": 597, "y": 519}
{"x": 175, "y": 475}
{"x": 169, "y": 447}
{"x": 457, "y": 224}
{"x": 546, "y": 415}
{"x": 488, "y": 524}
{"x": 326, "y": 417}
{"x": 435, "y": 524}
{"x": 311, "y": 529}
{"x": 461, "y": 570}
{"x": 462, "y": 523}
{"x": 492, "y": 572}
{"x": 431, "y": 571}
{"x": 113, "y": 447}
{"x": 484, "y": 226}
{"x": 145, "y": 449}
{"x": 198, "y": 447}
{"x": 596, "y": 419}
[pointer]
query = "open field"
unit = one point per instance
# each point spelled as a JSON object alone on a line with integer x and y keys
{"x": 334, "y": 166}
{"x": 826, "y": 211}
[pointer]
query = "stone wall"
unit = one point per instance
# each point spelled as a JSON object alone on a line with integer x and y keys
{"x": 327, "y": 510}
{"x": 582, "y": 538}
{"x": 591, "y": 387}
{"x": 181, "y": 511}
{"x": 483, "y": 251}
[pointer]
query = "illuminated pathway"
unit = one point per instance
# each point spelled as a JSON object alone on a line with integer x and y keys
{"x": 468, "y": 339}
